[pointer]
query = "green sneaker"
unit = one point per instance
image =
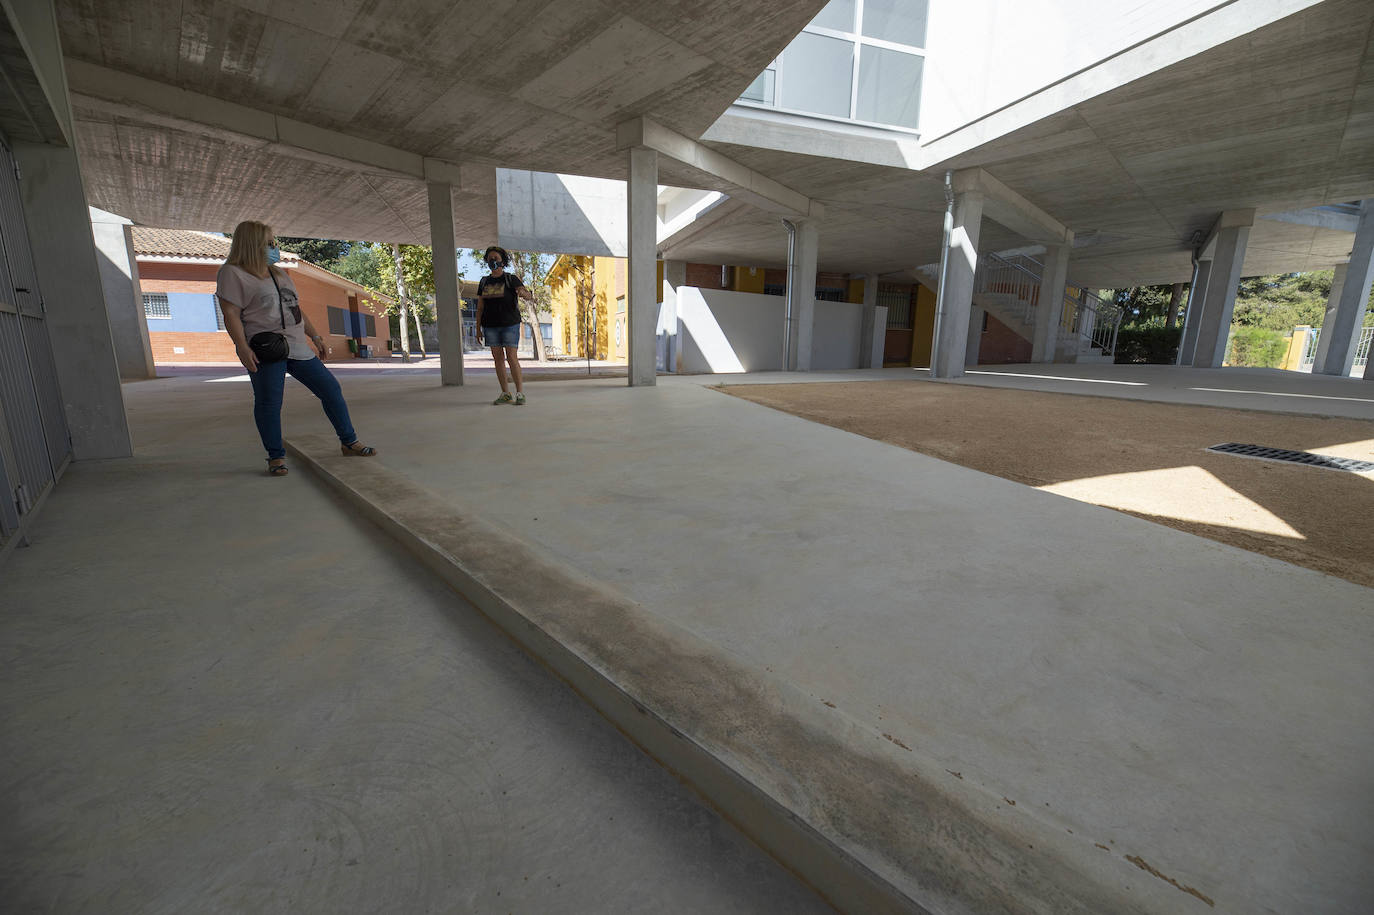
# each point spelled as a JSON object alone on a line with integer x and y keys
{"x": 519, "y": 399}
{"x": 504, "y": 398}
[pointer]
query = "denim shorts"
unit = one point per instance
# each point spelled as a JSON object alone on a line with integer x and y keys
{"x": 502, "y": 336}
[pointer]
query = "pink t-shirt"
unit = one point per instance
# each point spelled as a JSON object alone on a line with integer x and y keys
{"x": 261, "y": 309}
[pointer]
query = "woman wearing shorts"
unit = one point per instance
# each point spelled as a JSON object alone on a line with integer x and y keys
{"x": 498, "y": 320}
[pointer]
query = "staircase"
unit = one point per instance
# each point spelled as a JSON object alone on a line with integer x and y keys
{"x": 1008, "y": 287}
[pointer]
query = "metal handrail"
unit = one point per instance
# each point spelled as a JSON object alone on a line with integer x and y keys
{"x": 998, "y": 275}
{"x": 1362, "y": 348}
{"x": 1088, "y": 316}
{"x": 1085, "y": 315}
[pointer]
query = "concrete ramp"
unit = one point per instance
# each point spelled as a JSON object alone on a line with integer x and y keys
{"x": 864, "y": 817}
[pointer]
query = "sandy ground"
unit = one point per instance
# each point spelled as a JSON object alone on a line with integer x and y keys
{"x": 1144, "y": 458}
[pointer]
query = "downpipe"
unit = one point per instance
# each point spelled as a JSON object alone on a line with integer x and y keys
{"x": 787, "y": 302}
{"x": 944, "y": 271}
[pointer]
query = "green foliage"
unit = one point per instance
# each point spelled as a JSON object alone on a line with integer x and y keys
{"x": 1149, "y": 343}
{"x": 321, "y": 251}
{"x": 1256, "y": 346}
{"x": 417, "y": 268}
{"x": 1281, "y": 302}
{"x": 1140, "y": 304}
{"x": 363, "y": 265}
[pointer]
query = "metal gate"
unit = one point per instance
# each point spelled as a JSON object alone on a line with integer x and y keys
{"x": 34, "y": 444}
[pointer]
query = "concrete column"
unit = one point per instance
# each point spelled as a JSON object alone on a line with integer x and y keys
{"x": 114, "y": 248}
{"x": 870, "y": 342}
{"x": 1197, "y": 291}
{"x": 1349, "y": 299}
{"x": 1214, "y": 324}
{"x": 669, "y": 330}
{"x": 65, "y": 261}
{"x": 642, "y": 298}
{"x": 801, "y": 283}
{"x": 952, "y": 321}
{"x": 1049, "y": 311}
{"x": 448, "y": 307}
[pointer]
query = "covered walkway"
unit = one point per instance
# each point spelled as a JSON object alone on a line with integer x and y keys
{"x": 1090, "y": 706}
{"x": 225, "y": 693}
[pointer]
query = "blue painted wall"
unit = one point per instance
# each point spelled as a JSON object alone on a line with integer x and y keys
{"x": 191, "y": 311}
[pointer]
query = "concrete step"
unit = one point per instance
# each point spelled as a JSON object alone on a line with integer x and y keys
{"x": 866, "y": 820}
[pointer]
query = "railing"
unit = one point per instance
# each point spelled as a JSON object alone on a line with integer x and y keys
{"x": 1309, "y": 352}
{"x": 1085, "y": 317}
{"x": 1089, "y": 317}
{"x": 1017, "y": 276}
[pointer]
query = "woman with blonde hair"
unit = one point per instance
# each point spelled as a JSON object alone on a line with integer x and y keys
{"x": 272, "y": 336}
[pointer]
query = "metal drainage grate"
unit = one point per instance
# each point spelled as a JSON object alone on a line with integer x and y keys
{"x": 1294, "y": 457}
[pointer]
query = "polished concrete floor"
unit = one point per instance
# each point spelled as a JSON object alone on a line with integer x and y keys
{"x": 224, "y": 693}
{"x": 1180, "y": 714}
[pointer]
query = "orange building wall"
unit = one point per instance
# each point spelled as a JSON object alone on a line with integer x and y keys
{"x": 316, "y": 296}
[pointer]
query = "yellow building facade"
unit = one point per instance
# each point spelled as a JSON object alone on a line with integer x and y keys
{"x": 588, "y": 306}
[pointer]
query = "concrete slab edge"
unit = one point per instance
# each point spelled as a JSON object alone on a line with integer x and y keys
{"x": 870, "y": 830}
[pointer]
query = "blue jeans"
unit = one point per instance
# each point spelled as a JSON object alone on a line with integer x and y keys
{"x": 269, "y": 381}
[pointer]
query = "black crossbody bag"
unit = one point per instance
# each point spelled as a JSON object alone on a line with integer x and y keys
{"x": 271, "y": 346}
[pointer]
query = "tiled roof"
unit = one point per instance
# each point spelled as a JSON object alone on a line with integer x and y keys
{"x": 150, "y": 242}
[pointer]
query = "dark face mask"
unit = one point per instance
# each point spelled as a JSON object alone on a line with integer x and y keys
{"x": 494, "y": 265}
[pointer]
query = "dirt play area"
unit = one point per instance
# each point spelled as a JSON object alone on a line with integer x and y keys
{"x": 1147, "y": 459}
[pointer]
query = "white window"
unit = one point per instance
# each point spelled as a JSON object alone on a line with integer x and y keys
{"x": 817, "y": 75}
{"x": 155, "y": 305}
{"x": 858, "y": 60}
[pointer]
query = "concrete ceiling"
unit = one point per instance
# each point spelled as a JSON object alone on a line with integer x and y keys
{"x": 1278, "y": 119}
{"x": 1281, "y": 118}
{"x": 533, "y": 84}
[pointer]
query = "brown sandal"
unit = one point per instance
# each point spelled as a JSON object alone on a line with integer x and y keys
{"x": 356, "y": 450}
{"x": 277, "y": 470}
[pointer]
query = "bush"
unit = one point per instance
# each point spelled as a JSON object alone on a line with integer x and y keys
{"x": 1257, "y": 347}
{"x": 1148, "y": 344}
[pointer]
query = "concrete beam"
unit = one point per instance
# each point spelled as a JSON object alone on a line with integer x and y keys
{"x": 705, "y": 221}
{"x": 746, "y": 184}
{"x": 1003, "y": 205}
{"x": 1320, "y": 217}
{"x": 1227, "y": 220}
{"x": 123, "y": 94}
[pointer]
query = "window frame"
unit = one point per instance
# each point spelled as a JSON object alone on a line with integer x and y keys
{"x": 166, "y": 302}
{"x": 858, "y": 39}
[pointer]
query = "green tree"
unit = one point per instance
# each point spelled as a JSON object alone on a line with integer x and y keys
{"x": 1282, "y": 301}
{"x": 408, "y": 271}
{"x": 363, "y": 265}
{"x": 321, "y": 251}
{"x": 1141, "y": 304}
{"x": 533, "y": 270}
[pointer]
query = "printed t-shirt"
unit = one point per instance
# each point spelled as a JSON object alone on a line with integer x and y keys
{"x": 261, "y": 311}
{"x": 505, "y": 311}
